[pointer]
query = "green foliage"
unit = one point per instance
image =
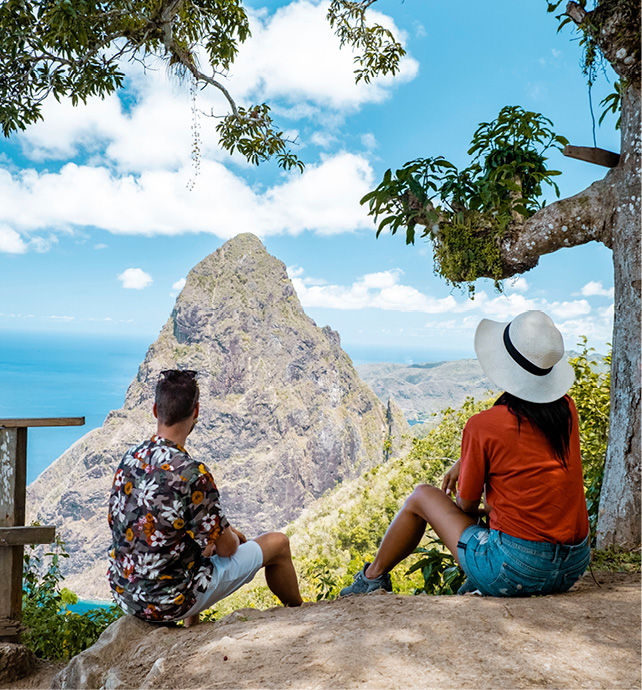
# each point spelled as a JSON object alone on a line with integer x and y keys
{"x": 466, "y": 213}
{"x": 616, "y": 561}
{"x": 613, "y": 103}
{"x": 76, "y": 49}
{"x": 379, "y": 51}
{"x": 251, "y": 132}
{"x": 53, "y": 632}
{"x": 439, "y": 570}
{"x": 597, "y": 21}
{"x": 591, "y": 393}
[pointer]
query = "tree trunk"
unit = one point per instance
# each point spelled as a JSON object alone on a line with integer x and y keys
{"x": 619, "y": 514}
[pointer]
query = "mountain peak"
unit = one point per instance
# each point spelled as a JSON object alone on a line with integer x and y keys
{"x": 284, "y": 415}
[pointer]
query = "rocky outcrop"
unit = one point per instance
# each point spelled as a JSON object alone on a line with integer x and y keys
{"x": 586, "y": 638}
{"x": 16, "y": 661}
{"x": 284, "y": 416}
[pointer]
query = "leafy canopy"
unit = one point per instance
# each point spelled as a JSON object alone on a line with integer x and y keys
{"x": 52, "y": 630}
{"x": 76, "y": 49}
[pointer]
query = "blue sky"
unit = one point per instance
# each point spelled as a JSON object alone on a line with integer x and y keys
{"x": 98, "y": 227}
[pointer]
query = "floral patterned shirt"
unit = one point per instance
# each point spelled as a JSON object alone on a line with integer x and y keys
{"x": 163, "y": 511}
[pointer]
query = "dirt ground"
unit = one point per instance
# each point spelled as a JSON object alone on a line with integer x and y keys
{"x": 586, "y": 638}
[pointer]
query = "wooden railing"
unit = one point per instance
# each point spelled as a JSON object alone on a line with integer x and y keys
{"x": 13, "y": 533}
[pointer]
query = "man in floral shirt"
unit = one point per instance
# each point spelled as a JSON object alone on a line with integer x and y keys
{"x": 174, "y": 552}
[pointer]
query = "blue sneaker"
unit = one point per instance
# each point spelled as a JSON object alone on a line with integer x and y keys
{"x": 363, "y": 585}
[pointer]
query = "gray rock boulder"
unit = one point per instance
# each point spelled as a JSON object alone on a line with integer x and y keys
{"x": 16, "y": 661}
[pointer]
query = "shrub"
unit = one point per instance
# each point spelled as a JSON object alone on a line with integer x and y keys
{"x": 592, "y": 395}
{"x": 52, "y": 630}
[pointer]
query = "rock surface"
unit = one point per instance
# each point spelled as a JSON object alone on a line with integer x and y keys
{"x": 586, "y": 638}
{"x": 284, "y": 415}
{"x": 16, "y": 661}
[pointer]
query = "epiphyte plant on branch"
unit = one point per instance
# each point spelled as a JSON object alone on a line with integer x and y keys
{"x": 467, "y": 212}
{"x": 77, "y": 49}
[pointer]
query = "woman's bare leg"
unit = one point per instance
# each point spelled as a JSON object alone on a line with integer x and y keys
{"x": 279, "y": 570}
{"x": 426, "y": 505}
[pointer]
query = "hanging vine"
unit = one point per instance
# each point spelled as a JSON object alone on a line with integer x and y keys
{"x": 196, "y": 136}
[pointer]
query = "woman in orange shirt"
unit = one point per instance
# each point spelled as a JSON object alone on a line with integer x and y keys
{"x": 524, "y": 453}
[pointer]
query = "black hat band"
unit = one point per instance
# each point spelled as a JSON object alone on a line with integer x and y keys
{"x": 520, "y": 359}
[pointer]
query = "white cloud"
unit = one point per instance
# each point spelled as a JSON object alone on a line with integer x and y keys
{"x": 10, "y": 241}
{"x": 100, "y": 246}
{"x": 135, "y": 279}
{"x": 323, "y": 139}
{"x": 596, "y": 289}
{"x": 517, "y": 284}
{"x": 158, "y": 202}
{"x": 179, "y": 284}
{"x": 508, "y": 305}
{"x": 375, "y": 290}
{"x": 386, "y": 291}
{"x": 64, "y": 319}
{"x": 294, "y": 55}
{"x": 369, "y": 141}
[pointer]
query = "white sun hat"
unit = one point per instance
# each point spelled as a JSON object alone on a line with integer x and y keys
{"x": 525, "y": 357}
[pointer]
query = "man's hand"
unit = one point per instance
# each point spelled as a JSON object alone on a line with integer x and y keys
{"x": 449, "y": 483}
{"x": 226, "y": 544}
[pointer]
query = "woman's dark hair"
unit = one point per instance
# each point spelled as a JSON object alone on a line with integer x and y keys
{"x": 176, "y": 395}
{"x": 553, "y": 419}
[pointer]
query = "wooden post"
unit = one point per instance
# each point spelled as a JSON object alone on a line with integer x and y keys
{"x": 13, "y": 534}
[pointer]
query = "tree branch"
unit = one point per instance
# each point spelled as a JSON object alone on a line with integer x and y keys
{"x": 582, "y": 218}
{"x": 576, "y": 12}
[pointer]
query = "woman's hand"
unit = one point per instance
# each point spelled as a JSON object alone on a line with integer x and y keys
{"x": 449, "y": 483}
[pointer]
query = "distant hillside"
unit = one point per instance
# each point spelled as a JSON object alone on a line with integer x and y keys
{"x": 422, "y": 390}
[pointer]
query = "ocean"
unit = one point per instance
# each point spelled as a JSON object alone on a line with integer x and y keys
{"x": 51, "y": 375}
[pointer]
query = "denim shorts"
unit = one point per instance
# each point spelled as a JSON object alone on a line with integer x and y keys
{"x": 503, "y": 566}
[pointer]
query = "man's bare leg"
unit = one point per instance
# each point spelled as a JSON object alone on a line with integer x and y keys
{"x": 191, "y": 621}
{"x": 426, "y": 505}
{"x": 279, "y": 570}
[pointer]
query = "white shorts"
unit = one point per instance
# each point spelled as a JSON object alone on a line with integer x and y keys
{"x": 229, "y": 574}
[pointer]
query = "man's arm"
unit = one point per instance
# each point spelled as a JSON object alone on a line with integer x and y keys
{"x": 224, "y": 545}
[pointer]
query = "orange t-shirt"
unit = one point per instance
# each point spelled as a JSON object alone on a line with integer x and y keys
{"x": 532, "y": 495}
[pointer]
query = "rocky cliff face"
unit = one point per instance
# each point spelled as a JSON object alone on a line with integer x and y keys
{"x": 284, "y": 415}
